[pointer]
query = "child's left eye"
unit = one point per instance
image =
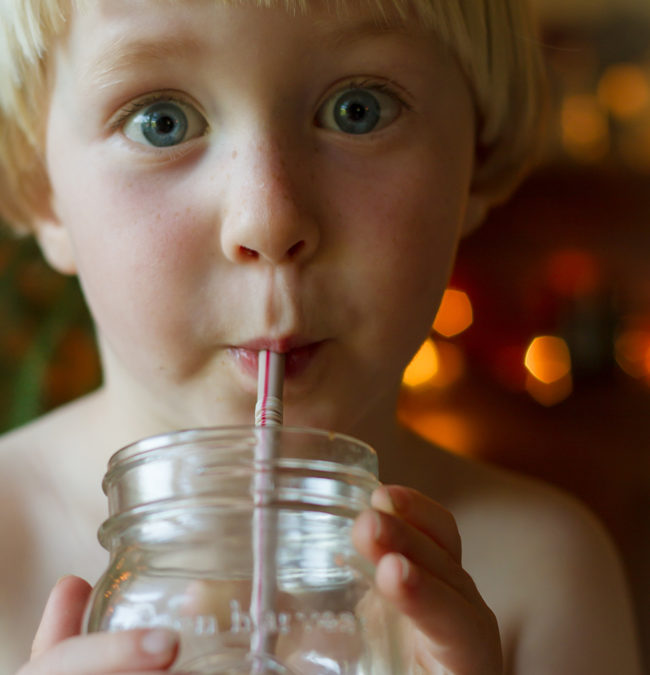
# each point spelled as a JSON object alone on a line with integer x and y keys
{"x": 164, "y": 123}
{"x": 359, "y": 110}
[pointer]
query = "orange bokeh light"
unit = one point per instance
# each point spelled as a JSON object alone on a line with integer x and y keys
{"x": 632, "y": 352}
{"x": 455, "y": 314}
{"x": 624, "y": 89}
{"x": 548, "y": 359}
{"x": 423, "y": 367}
{"x": 437, "y": 364}
{"x": 446, "y": 429}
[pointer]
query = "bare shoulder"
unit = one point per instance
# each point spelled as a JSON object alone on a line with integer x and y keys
{"x": 45, "y": 460}
{"x": 23, "y": 497}
{"x": 548, "y": 569}
{"x": 45, "y": 533}
{"x": 21, "y": 477}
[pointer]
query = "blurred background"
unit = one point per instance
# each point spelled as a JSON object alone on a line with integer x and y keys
{"x": 539, "y": 359}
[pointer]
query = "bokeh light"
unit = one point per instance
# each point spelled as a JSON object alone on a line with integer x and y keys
{"x": 548, "y": 359}
{"x": 446, "y": 429}
{"x": 585, "y": 129}
{"x": 437, "y": 364}
{"x": 455, "y": 314}
{"x": 624, "y": 90}
{"x": 632, "y": 352}
{"x": 548, "y": 362}
{"x": 423, "y": 366}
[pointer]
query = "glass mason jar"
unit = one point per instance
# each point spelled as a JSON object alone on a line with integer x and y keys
{"x": 249, "y": 559}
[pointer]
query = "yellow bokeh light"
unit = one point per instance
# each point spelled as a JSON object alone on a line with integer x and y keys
{"x": 423, "y": 366}
{"x": 548, "y": 359}
{"x": 455, "y": 313}
{"x": 585, "y": 130}
{"x": 624, "y": 89}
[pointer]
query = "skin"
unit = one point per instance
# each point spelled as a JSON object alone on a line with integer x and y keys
{"x": 269, "y": 226}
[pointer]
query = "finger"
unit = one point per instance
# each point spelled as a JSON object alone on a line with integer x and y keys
{"x": 422, "y": 513}
{"x": 463, "y": 636}
{"x": 63, "y": 613}
{"x": 120, "y": 652}
{"x": 376, "y": 534}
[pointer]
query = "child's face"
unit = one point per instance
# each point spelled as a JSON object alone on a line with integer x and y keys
{"x": 233, "y": 178}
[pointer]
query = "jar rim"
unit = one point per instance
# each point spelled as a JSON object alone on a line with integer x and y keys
{"x": 229, "y": 464}
{"x": 164, "y": 440}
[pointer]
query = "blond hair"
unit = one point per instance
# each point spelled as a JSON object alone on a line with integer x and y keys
{"x": 493, "y": 41}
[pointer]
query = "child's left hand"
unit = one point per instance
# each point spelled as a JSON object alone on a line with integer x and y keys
{"x": 415, "y": 544}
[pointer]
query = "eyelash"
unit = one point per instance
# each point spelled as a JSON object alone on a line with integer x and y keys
{"x": 384, "y": 86}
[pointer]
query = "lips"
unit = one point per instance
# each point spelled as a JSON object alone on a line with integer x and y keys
{"x": 298, "y": 355}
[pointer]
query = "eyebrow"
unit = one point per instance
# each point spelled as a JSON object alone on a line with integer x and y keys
{"x": 122, "y": 56}
{"x": 364, "y": 30}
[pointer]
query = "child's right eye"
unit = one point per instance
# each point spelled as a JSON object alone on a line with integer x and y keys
{"x": 163, "y": 123}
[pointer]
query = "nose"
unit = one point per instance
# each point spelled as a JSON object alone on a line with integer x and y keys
{"x": 267, "y": 217}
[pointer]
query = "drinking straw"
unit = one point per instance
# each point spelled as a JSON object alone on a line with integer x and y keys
{"x": 270, "y": 378}
{"x": 268, "y": 413}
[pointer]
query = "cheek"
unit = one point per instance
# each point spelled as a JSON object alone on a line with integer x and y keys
{"x": 137, "y": 253}
{"x": 116, "y": 218}
{"x": 405, "y": 235}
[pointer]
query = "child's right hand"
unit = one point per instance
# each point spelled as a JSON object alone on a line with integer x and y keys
{"x": 59, "y": 649}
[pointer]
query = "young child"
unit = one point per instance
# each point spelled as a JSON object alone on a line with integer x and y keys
{"x": 226, "y": 177}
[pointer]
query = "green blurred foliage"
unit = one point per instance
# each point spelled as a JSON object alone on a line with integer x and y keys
{"x": 48, "y": 354}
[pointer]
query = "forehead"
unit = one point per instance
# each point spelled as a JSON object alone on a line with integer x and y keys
{"x": 128, "y": 31}
{"x": 425, "y": 14}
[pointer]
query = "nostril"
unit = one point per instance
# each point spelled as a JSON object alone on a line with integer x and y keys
{"x": 248, "y": 252}
{"x": 295, "y": 249}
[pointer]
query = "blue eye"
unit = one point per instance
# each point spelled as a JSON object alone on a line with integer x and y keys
{"x": 164, "y": 123}
{"x": 358, "y": 111}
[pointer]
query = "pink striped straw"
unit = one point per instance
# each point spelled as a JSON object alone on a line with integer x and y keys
{"x": 270, "y": 378}
{"x": 268, "y": 413}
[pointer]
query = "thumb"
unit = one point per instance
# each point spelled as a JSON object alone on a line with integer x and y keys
{"x": 62, "y": 615}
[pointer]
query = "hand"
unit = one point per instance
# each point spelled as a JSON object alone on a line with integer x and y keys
{"x": 415, "y": 545}
{"x": 59, "y": 649}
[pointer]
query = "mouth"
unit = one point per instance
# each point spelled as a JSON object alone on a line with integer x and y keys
{"x": 298, "y": 355}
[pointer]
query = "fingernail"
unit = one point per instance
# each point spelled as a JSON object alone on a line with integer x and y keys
{"x": 377, "y": 525}
{"x": 381, "y": 500}
{"x": 405, "y": 566}
{"x": 60, "y": 580}
{"x": 158, "y": 641}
